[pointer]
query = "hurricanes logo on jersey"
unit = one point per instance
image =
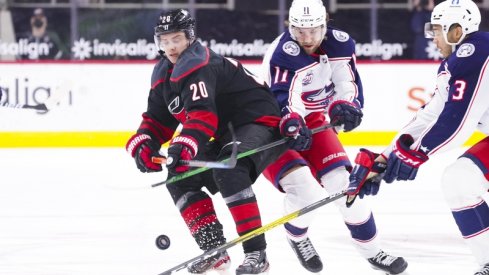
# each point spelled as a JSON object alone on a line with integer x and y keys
{"x": 174, "y": 106}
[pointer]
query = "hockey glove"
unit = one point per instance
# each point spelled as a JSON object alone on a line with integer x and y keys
{"x": 345, "y": 113}
{"x": 403, "y": 162}
{"x": 292, "y": 126}
{"x": 360, "y": 182}
{"x": 182, "y": 148}
{"x": 142, "y": 148}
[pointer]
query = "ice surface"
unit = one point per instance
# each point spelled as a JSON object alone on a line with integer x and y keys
{"x": 90, "y": 212}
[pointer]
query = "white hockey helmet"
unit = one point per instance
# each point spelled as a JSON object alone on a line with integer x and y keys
{"x": 307, "y": 14}
{"x": 450, "y": 12}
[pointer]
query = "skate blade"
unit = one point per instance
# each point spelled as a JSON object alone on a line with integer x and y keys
{"x": 388, "y": 273}
{"x": 263, "y": 273}
{"x": 222, "y": 271}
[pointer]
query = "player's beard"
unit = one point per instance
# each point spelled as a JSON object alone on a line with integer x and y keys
{"x": 310, "y": 48}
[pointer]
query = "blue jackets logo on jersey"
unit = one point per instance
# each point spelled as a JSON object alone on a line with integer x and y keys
{"x": 319, "y": 97}
{"x": 291, "y": 48}
{"x": 340, "y": 36}
{"x": 466, "y": 49}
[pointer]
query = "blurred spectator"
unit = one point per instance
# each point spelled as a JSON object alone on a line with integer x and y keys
{"x": 421, "y": 15}
{"x": 42, "y": 43}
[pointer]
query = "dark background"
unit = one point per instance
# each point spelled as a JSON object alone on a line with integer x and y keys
{"x": 250, "y": 20}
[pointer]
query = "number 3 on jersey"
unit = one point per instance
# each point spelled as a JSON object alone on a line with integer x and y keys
{"x": 198, "y": 90}
{"x": 460, "y": 90}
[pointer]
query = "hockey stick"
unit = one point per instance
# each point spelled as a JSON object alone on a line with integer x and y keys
{"x": 228, "y": 163}
{"x": 240, "y": 155}
{"x": 58, "y": 93}
{"x": 257, "y": 232}
{"x": 40, "y": 107}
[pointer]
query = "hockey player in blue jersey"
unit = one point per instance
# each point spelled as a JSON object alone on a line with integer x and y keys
{"x": 311, "y": 69}
{"x": 460, "y": 105}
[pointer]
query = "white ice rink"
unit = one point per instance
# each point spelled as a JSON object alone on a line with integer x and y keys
{"x": 91, "y": 212}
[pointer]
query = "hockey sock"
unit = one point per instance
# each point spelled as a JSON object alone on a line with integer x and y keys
{"x": 246, "y": 215}
{"x": 201, "y": 219}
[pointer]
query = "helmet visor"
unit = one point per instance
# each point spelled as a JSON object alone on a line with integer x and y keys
{"x": 429, "y": 30}
{"x": 173, "y": 39}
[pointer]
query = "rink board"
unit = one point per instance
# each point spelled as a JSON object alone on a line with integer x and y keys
{"x": 104, "y": 105}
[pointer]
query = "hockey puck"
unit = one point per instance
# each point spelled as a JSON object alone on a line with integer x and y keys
{"x": 163, "y": 242}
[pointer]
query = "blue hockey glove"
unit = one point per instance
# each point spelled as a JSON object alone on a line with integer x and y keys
{"x": 403, "y": 162}
{"x": 345, "y": 113}
{"x": 292, "y": 126}
{"x": 360, "y": 185}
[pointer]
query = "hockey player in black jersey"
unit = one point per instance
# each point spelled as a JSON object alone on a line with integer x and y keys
{"x": 204, "y": 91}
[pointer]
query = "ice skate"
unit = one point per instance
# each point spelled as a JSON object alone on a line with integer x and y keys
{"x": 254, "y": 263}
{"x": 307, "y": 255}
{"x": 219, "y": 262}
{"x": 389, "y": 264}
{"x": 483, "y": 271}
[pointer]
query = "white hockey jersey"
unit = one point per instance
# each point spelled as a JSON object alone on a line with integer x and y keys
{"x": 460, "y": 104}
{"x": 306, "y": 83}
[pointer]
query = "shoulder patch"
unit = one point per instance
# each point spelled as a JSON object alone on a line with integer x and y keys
{"x": 291, "y": 48}
{"x": 340, "y": 36}
{"x": 465, "y": 50}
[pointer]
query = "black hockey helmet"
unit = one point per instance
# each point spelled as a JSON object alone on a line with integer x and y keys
{"x": 175, "y": 21}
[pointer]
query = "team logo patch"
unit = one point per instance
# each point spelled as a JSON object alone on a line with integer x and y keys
{"x": 340, "y": 36}
{"x": 174, "y": 106}
{"x": 308, "y": 78}
{"x": 291, "y": 48}
{"x": 324, "y": 59}
{"x": 466, "y": 49}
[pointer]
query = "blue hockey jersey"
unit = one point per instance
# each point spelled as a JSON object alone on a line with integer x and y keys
{"x": 306, "y": 83}
{"x": 460, "y": 104}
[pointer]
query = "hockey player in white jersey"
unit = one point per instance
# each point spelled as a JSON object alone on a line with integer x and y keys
{"x": 311, "y": 70}
{"x": 460, "y": 105}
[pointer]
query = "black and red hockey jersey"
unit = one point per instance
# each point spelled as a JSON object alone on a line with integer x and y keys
{"x": 204, "y": 91}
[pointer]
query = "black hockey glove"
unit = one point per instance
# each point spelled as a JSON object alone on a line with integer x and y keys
{"x": 292, "y": 126}
{"x": 142, "y": 148}
{"x": 345, "y": 113}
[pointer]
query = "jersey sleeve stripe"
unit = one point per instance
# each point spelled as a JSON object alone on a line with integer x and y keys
{"x": 203, "y": 121}
{"x": 157, "y": 130}
{"x": 339, "y": 58}
{"x": 157, "y": 82}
